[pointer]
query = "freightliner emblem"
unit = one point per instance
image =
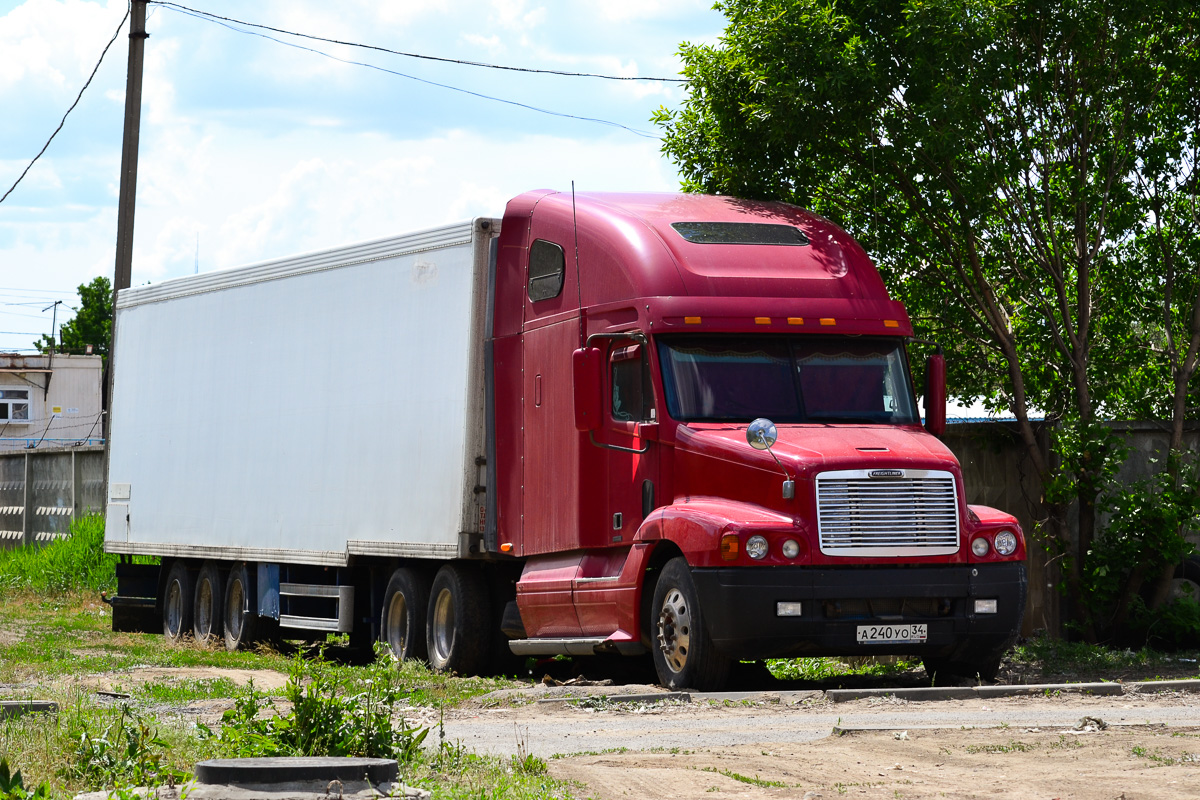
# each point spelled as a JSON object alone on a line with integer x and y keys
{"x": 887, "y": 473}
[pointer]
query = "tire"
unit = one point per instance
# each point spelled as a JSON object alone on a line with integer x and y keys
{"x": 241, "y": 612}
{"x": 456, "y": 631}
{"x": 405, "y": 610}
{"x": 208, "y": 622}
{"x": 177, "y": 603}
{"x": 684, "y": 655}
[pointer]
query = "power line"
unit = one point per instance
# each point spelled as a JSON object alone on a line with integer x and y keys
{"x": 564, "y": 115}
{"x": 197, "y": 12}
{"x": 69, "y": 110}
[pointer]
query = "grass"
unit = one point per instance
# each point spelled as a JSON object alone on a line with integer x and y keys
{"x": 817, "y": 669}
{"x": 1053, "y": 657}
{"x": 75, "y": 563}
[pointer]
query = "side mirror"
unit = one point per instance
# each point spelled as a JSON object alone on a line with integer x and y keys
{"x": 935, "y": 394}
{"x": 587, "y": 372}
{"x": 761, "y": 434}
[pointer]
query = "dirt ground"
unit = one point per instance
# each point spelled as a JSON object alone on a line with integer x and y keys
{"x": 912, "y": 764}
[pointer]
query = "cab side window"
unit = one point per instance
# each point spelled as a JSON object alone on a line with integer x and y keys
{"x": 547, "y": 265}
{"x": 632, "y": 393}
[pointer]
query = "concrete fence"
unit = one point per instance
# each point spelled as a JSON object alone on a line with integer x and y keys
{"x": 997, "y": 473}
{"x": 41, "y": 491}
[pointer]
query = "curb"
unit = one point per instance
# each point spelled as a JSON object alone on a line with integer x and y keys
{"x": 17, "y": 708}
{"x": 971, "y": 692}
{"x": 654, "y": 697}
{"x": 1191, "y": 685}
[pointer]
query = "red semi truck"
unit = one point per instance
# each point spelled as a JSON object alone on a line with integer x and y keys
{"x": 680, "y": 425}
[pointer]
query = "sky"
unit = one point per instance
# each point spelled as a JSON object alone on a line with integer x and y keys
{"x": 251, "y": 149}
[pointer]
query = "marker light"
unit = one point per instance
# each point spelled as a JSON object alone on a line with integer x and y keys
{"x": 828, "y": 321}
{"x": 791, "y": 548}
{"x": 795, "y": 320}
{"x": 729, "y": 547}
{"x": 1006, "y": 543}
{"x": 762, "y": 320}
{"x": 986, "y": 606}
{"x": 756, "y": 547}
{"x": 787, "y": 609}
{"x": 980, "y": 547}
{"x": 691, "y": 320}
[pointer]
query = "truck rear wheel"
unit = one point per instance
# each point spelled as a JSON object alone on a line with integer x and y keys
{"x": 207, "y": 621}
{"x": 457, "y": 633}
{"x": 241, "y": 609}
{"x": 684, "y": 656}
{"x": 405, "y": 607}
{"x": 177, "y": 603}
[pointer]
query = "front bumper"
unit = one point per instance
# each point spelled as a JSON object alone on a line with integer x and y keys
{"x": 739, "y": 609}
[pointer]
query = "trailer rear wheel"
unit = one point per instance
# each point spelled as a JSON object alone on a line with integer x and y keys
{"x": 405, "y": 607}
{"x": 457, "y": 632}
{"x": 177, "y": 603}
{"x": 207, "y": 622}
{"x": 684, "y": 656}
{"x": 240, "y": 608}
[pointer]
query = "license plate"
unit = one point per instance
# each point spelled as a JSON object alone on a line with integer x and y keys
{"x": 887, "y": 634}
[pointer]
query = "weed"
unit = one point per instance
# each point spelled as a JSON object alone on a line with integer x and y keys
{"x": 755, "y": 781}
{"x": 77, "y": 562}
{"x": 1013, "y": 746}
{"x": 325, "y": 719}
{"x": 129, "y": 751}
{"x": 12, "y": 786}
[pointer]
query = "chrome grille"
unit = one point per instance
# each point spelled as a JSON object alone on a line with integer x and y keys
{"x": 858, "y": 515}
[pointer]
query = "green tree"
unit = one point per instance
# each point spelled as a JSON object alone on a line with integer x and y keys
{"x": 1023, "y": 172}
{"x": 92, "y": 324}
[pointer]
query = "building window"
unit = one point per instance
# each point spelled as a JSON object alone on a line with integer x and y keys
{"x": 14, "y": 405}
{"x": 547, "y": 265}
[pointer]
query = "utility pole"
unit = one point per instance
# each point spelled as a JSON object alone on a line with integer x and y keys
{"x": 129, "y": 147}
{"x": 125, "y": 202}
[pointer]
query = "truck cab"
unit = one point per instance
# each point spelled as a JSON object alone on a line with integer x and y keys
{"x": 707, "y": 446}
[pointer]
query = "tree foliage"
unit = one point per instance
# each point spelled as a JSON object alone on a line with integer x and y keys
{"x": 92, "y": 324}
{"x": 1023, "y": 172}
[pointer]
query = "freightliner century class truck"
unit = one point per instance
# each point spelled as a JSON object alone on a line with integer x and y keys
{"x": 679, "y": 425}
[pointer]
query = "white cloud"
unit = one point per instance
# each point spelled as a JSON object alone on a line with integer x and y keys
{"x": 492, "y": 43}
{"x": 52, "y": 45}
{"x": 629, "y": 10}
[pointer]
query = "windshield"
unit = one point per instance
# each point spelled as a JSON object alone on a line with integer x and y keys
{"x": 738, "y": 378}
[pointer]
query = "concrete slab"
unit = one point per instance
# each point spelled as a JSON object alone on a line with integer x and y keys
{"x": 242, "y": 771}
{"x": 18, "y": 708}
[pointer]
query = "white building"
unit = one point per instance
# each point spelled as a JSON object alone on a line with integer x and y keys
{"x": 50, "y": 401}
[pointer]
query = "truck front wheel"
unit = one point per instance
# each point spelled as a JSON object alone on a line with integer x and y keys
{"x": 207, "y": 624}
{"x": 457, "y": 633}
{"x": 177, "y": 603}
{"x": 240, "y": 608}
{"x": 684, "y": 656}
{"x": 405, "y": 604}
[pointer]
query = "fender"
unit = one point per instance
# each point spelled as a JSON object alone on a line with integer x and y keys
{"x": 696, "y": 528}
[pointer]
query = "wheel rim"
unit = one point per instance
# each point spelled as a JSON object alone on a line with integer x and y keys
{"x": 204, "y": 609}
{"x": 174, "y": 609}
{"x": 397, "y": 624}
{"x": 674, "y": 630}
{"x": 443, "y": 625}
{"x": 237, "y": 598}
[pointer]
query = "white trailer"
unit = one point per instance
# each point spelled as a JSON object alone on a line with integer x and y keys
{"x": 265, "y": 415}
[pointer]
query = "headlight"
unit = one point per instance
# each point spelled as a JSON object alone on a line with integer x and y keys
{"x": 980, "y": 546}
{"x": 1006, "y": 543}
{"x": 756, "y": 547}
{"x": 791, "y": 548}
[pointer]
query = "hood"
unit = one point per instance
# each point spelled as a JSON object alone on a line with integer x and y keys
{"x": 805, "y": 450}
